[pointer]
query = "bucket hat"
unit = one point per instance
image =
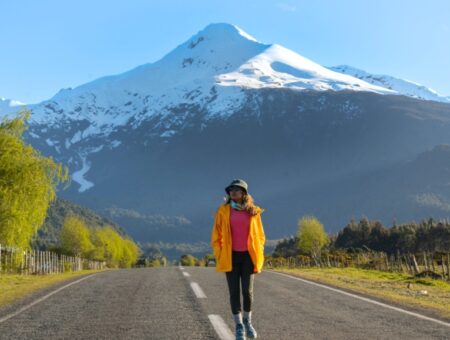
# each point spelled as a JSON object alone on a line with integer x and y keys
{"x": 237, "y": 183}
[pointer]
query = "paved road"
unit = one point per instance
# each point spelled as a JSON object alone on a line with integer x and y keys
{"x": 192, "y": 303}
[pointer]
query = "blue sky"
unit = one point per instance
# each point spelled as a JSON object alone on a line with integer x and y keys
{"x": 48, "y": 45}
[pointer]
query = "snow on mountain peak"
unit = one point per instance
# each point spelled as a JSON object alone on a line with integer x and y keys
{"x": 224, "y": 31}
{"x": 278, "y": 67}
{"x": 216, "y": 49}
{"x": 401, "y": 86}
{"x": 209, "y": 70}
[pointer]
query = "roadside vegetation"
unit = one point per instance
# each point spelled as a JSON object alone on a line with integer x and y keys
{"x": 15, "y": 287}
{"x": 406, "y": 264}
{"x": 400, "y": 288}
{"x": 79, "y": 246}
{"x": 28, "y": 186}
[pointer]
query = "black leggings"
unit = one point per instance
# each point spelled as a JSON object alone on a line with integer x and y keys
{"x": 242, "y": 271}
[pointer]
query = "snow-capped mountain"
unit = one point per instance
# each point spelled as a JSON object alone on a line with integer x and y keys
{"x": 8, "y": 106}
{"x": 401, "y": 86}
{"x": 223, "y": 105}
{"x": 208, "y": 70}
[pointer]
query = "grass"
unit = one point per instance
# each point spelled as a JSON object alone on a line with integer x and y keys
{"x": 400, "y": 288}
{"x": 14, "y": 287}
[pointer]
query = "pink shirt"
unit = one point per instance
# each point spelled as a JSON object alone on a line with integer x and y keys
{"x": 240, "y": 223}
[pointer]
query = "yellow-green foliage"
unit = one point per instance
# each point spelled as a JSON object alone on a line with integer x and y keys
{"x": 153, "y": 263}
{"x": 311, "y": 235}
{"x": 28, "y": 183}
{"x": 75, "y": 237}
{"x": 130, "y": 253}
{"x": 188, "y": 260}
{"x": 112, "y": 248}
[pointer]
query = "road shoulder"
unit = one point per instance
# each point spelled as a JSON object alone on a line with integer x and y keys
{"x": 381, "y": 292}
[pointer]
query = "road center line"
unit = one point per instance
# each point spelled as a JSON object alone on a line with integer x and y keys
{"x": 24, "y": 308}
{"x": 220, "y": 327}
{"x": 186, "y": 274}
{"x": 197, "y": 290}
{"x": 417, "y": 315}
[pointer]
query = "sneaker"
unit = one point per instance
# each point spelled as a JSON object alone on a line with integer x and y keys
{"x": 240, "y": 335}
{"x": 249, "y": 330}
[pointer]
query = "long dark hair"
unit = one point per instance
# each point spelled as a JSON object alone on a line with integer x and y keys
{"x": 247, "y": 202}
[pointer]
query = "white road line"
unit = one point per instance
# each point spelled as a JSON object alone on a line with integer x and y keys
{"x": 186, "y": 274}
{"x": 417, "y": 315}
{"x": 220, "y": 327}
{"x": 24, "y": 308}
{"x": 182, "y": 268}
{"x": 197, "y": 290}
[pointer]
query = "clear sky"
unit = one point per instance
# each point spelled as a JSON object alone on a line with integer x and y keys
{"x": 47, "y": 45}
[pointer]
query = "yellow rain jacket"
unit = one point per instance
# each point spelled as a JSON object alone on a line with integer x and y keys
{"x": 221, "y": 239}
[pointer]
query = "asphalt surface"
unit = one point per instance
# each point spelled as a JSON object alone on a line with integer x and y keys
{"x": 160, "y": 303}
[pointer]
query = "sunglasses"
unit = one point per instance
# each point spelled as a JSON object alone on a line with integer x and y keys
{"x": 235, "y": 189}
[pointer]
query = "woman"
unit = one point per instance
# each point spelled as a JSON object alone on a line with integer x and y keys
{"x": 238, "y": 242}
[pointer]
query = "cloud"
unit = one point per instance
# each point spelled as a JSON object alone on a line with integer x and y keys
{"x": 285, "y": 7}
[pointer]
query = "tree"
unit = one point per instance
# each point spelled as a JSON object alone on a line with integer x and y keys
{"x": 188, "y": 260}
{"x": 311, "y": 236}
{"x": 286, "y": 247}
{"x": 75, "y": 237}
{"x": 130, "y": 253}
{"x": 28, "y": 183}
{"x": 112, "y": 248}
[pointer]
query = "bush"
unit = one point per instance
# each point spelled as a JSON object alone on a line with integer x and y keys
{"x": 188, "y": 260}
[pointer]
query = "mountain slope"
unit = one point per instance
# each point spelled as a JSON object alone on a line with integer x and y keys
{"x": 401, "y": 86}
{"x": 292, "y": 147}
{"x": 8, "y": 106}
{"x": 48, "y": 235}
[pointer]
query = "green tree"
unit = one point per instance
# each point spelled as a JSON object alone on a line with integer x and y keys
{"x": 112, "y": 248}
{"x": 188, "y": 260}
{"x": 311, "y": 237}
{"x": 163, "y": 261}
{"x": 75, "y": 238}
{"x": 28, "y": 183}
{"x": 130, "y": 253}
{"x": 152, "y": 263}
{"x": 108, "y": 244}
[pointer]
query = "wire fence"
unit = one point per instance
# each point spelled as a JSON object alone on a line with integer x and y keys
{"x": 18, "y": 261}
{"x": 426, "y": 264}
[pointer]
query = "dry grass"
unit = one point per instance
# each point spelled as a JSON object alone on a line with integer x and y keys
{"x": 401, "y": 288}
{"x": 14, "y": 287}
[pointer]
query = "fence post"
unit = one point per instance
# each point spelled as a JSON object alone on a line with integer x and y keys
{"x": 448, "y": 266}
{"x": 425, "y": 262}
{"x": 386, "y": 260}
{"x": 416, "y": 266}
{"x": 443, "y": 266}
{"x": 432, "y": 262}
